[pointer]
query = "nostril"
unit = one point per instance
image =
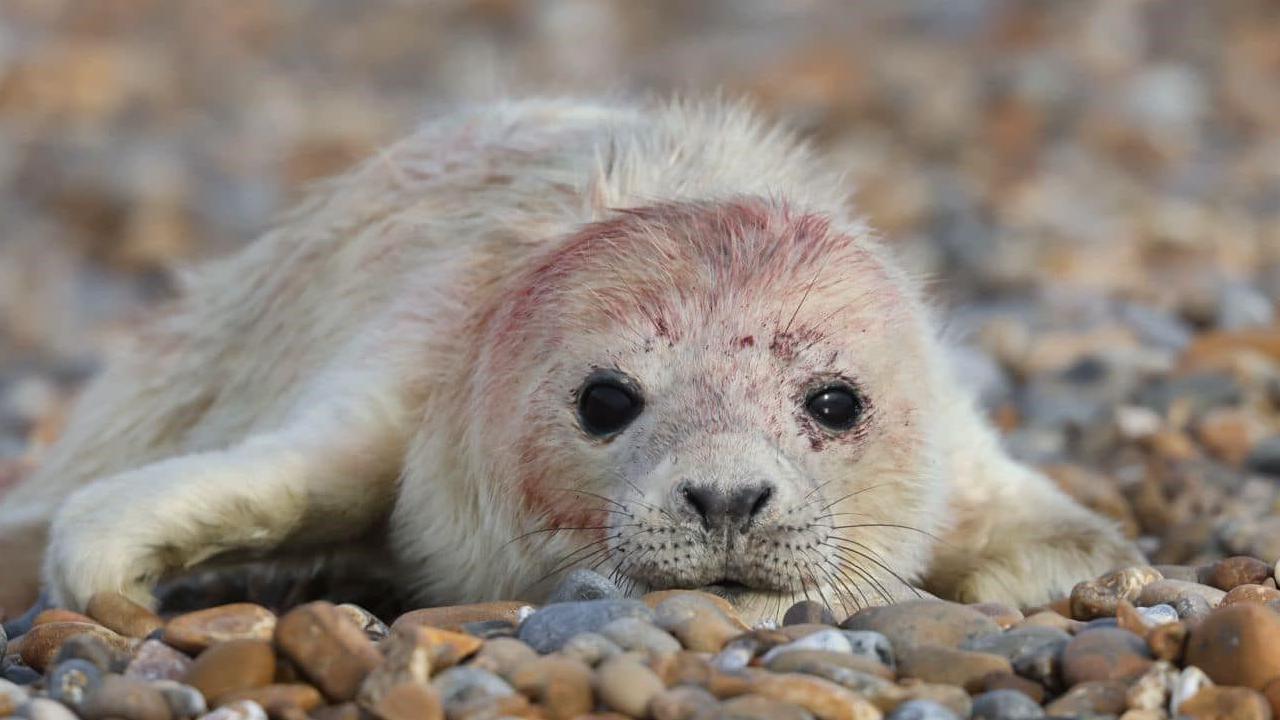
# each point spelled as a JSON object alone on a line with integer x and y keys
{"x": 696, "y": 501}
{"x": 762, "y": 500}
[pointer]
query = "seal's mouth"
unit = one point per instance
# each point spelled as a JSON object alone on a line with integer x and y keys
{"x": 729, "y": 589}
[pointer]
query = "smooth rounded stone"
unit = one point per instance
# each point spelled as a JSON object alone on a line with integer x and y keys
{"x": 1185, "y": 686}
{"x": 486, "y": 629}
{"x": 453, "y": 617}
{"x": 626, "y": 685}
{"x": 119, "y": 613}
{"x": 22, "y": 624}
{"x": 20, "y": 674}
{"x": 1005, "y": 616}
{"x": 1237, "y": 645}
{"x": 242, "y": 710}
{"x": 127, "y": 699}
{"x": 949, "y": 666}
{"x": 1104, "y": 655}
{"x": 808, "y": 612}
{"x": 503, "y": 656}
{"x": 1168, "y": 641}
{"x": 373, "y": 628}
{"x": 827, "y": 640}
{"x": 44, "y": 709}
{"x": 589, "y": 647}
{"x": 184, "y": 700}
{"x": 1264, "y": 457}
{"x": 657, "y": 597}
{"x": 636, "y": 634}
{"x": 12, "y": 696}
{"x": 1098, "y": 597}
{"x": 232, "y": 666}
{"x": 40, "y": 646}
{"x": 922, "y": 710}
{"x": 1170, "y": 592}
{"x": 1151, "y": 691}
{"x": 1098, "y": 697}
{"x": 1099, "y": 623}
{"x": 404, "y": 701}
{"x": 462, "y": 686}
{"x": 1158, "y": 614}
{"x": 700, "y": 625}
{"x": 1035, "y": 652}
{"x": 279, "y": 698}
{"x": 444, "y": 648}
{"x": 1191, "y": 607}
{"x": 406, "y": 661}
{"x": 92, "y": 649}
{"x": 548, "y": 629}
{"x": 825, "y": 699}
{"x": 1231, "y": 572}
{"x": 72, "y": 681}
{"x": 823, "y": 662}
{"x": 1231, "y": 703}
{"x": 4, "y": 642}
{"x": 736, "y": 654}
{"x": 562, "y": 686}
{"x": 330, "y": 650}
{"x": 685, "y": 702}
{"x": 53, "y": 615}
{"x": 1255, "y": 594}
{"x": 758, "y": 707}
{"x": 583, "y": 584}
{"x": 156, "y": 661}
{"x": 1052, "y": 620}
{"x": 195, "y": 631}
{"x": 923, "y": 621}
{"x": 871, "y": 645}
{"x": 1188, "y": 573}
{"x": 1015, "y": 683}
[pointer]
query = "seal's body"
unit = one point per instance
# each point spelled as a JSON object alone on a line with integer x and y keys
{"x": 553, "y": 334}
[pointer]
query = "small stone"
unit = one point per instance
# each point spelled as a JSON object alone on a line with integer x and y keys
{"x": 827, "y": 664}
{"x": 1255, "y": 594}
{"x": 685, "y": 702}
{"x": 922, "y": 710}
{"x": 12, "y": 696}
{"x": 486, "y": 629}
{"x": 871, "y": 645}
{"x": 825, "y": 699}
{"x": 1234, "y": 571}
{"x": 403, "y": 701}
{"x": 1171, "y": 591}
{"x": 94, "y": 650}
{"x": 20, "y": 674}
{"x": 949, "y": 666}
{"x": 1168, "y": 641}
{"x": 445, "y": 648}
{"x": 758, "y": 707}
{"x": 242, "y": 710}
{"x": 453, "y": 617}
{"x": 1151, "y": 691}
{"x": 583, "y": 584}
{"x": 1005, "y": 705}
{"x": 329, "y": 649}
{"x": 373, "y": 628}
{"x": 1009, "y": 681}
{"x": 1005, "y": 616}
{"x": 45, "y": 709}
{"x": 1237, "y": 645}
{"x": 53, "y": 615}
{"x": 184, "y": 700}
{"x": 827, "y": 640}
{"x": 119, "y": 613}
{"x": 1185, "y": 686}
{"x": 560, "y": 685}
{"x": 72, "y": 681}
{"x": 1191, "y": 607}
{"x": 1264, "y": 458}
{"x": 806, "y": 612}
{"x": 1035, "y": 652}
{"x": 277, "y": 699}
{"x": 1098, "y": 598}
{"x": 548, "y": 629}
{"x": 924, "y": 621}
{"x": 41, "y": 644}
{"x": 1099, "y": 697}
{"x": 589, "y": 647}
{"x": 503, "y": 656}
{"x": 1158, "y": 614}
{"x": 636, "y": 634}
{"x": 627, "y": 686}
{"x": 406, "y": 661}
{"x": 231, "y": 667}
{"x": 463, "y": 687}
{"x": 195, "y": 631}
{"x": 127, "y": 699}
{"x": 1226, "y": 703}
{"x": 656, "y": 598}
{"x": 156, "y": 661}
{"x": 700, "y": 626}
{"x": 736, "y": 654}
{"x": 1104, "y": 654}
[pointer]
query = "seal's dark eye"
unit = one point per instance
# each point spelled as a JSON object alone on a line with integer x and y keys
{"x": 606, "y": 405}
{"x": 837, "y": 407}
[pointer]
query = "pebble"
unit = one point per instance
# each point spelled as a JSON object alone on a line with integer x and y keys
{"x": 1264, "y": 458}
{"x": 825, "y": 699}
{"x": 155, "y": 660}
{"x": 461, "y": 687}
{"x": 808, "y": 612}
{"x": 90, "y": 649}
{"x": 184, "y": 700}
{"x": 1169, "y": 641}
{"x": 453, "y": 617}
{"x": 406, "y": 661}
{"x": 195, "y": 631}
{"x": 591, "y": 648}
{"x": 1097, "y": 697}
{"x": 279, "y": 698}
{"x": 1192, "y": 607}
{"x": 923, "y": 621}
{"x": 684, "y": 702}
{"x": 1152, "y": 690}
{"x": 631, "y": 633}
{"x": 871, "y": 645}
{"x": 626, "y": 685}
{"x": 700, "y": 625}
{"x": 1231, "y": 572}
{"x": 119, "y": 613}
{"x": 374, "y": 628}
{"x": 240, "y": 710}
{"x": 404, "y": 701}
{"x": 563, "y": 686}
{"x": 1256, "y": 594}
{"x": 45, "y": 709}
{"x": 1237, "y": 645}
{"x": 1098, "y": 597}
{"x": 1226, "y": 703}
{"x": 72, "y": 681}
{"x": 1005, "y": 705}
{"x": 1158, "y": 614}
{"x": 12, "y": 696}
{"x": 922, "y": 710}
{"x": 1035, "y": 652}
{"x": 1106, "y": 654}
{"x": 825, "y": 663}
{"x": 126, "y": 699}
{"x": 41, "y": 644}
{"x": 232, "y": 666}
{"x": 1007, "y": 681}
{"x": 758, "y": 707}
{"x": 329, "y": 649}
{"x": 548, "y": 629}
{"x": 829, "y": 640}
{"x": 583, "y": 584}
{"x": 949, "y": 666}
{"x": 1171, "y": 591}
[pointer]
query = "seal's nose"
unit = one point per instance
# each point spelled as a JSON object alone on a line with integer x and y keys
{"x": 733, "y": 507}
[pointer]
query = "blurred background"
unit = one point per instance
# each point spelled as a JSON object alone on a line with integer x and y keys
{"x": 1092, "y": 187}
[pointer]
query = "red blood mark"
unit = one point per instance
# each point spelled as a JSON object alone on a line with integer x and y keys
{"x": 555, "y": 506}
{"x": 746, "y": 341}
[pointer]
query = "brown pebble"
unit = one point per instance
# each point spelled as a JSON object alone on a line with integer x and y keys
{"x": 503, "y": 656}
{"x": 1170, "y": 591}
{"x": 1226, "y": 703}
{"x": 808, "y": 612}
{"x": 560, "y": 685}
{"x": 685, "y": 702}
{"x": 446, "y": 648}
{"x": 276, "y": 699}
{"x": 123, "y": 615}
{"x": 759, "y": 707}
{"x": 1272, "y": 693}
{"x": 328, "y": 648}
{"x": 812, "y": 662}
{"x": 405, "y": 701}
{"x": 949, "y": 666}
{"x": 1235, "y": 571}
{"x": 1098, "y": 597}
{"x": 699, "y": 625}
{"x": 54, "y": 615}
{"x": 924, "y": 621}
{"x": 825, "y": 699}
{"x": 127, "y": 699}
{"x": 40, "y": 645}
{"x": 1168, "y": 641}
{"x": 626, "y": 685}
{"x": 657, "y": 597}
{"x": 406, "y": 661}
{"x": 156, "y": 661}
{"x": 1128, "y": 618}
{"x": 453, "y": 617}
{"x": 231, "y": 667}
{"x": 345, "y": 711}
{"x": 195, "y": 631}
{"x": 1005, "y": 616}
{"x": 1099, "y": 697}
{"x": 1104, "y": 654}
{"x": 1256, "y": 594}
{"x": 1009, "y": 681}
{"x": 1237, "y": 645}
{"x": 1051, "y": 619}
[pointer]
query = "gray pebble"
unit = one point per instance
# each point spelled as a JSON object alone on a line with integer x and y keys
{"x": 1005, "y": 705}
{"x": 489, "y": 629}
{"x": 1265, "y": 457}
{"x": 16, "y": 672}
{"x": 635, "y": 634}
{"x": 21, "y": 624}
{"x": 12, "y": 694}
{"x": 4, "y": 642}
{"x": 1190, "y": 607}
{"x": 462, "y": 685}
{"x": 922, "y": 710}
{"x": 74, "y": 680}
{"x": 45, "y": 709}
{"x": 184, "y": 700}
{"x": 872, "y": 646}
{"x": 1241, "y": 306}
{"x": 548, "y": 629}
{"x": 1034, "y": 652}
{"x": 1158, "y": 614}
{"x": 591, "y": 648}
{"x": 581, "y": 585}
{"x": 92, "y": 650}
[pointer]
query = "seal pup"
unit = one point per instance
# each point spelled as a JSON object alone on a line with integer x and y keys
{"x": 651, "y": 340}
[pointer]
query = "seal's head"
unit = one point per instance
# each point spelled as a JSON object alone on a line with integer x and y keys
{"x": 730, "y": 396}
